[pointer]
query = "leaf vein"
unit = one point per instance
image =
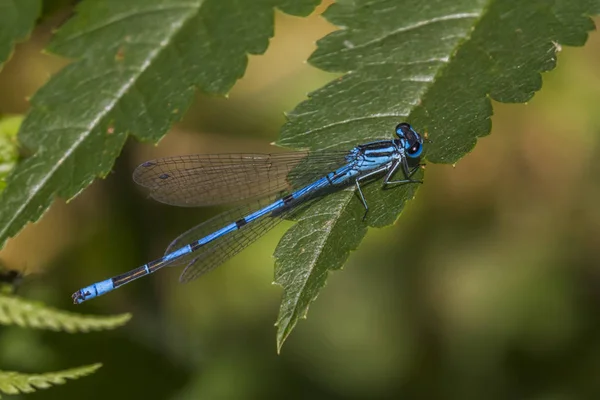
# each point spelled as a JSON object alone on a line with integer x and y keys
{"x": 408, "y": 28}
{"x": 443, "y": 60}
{"x": 321, "y": 244}
{"x": 350, "y": 120}
{"x": 93, "y": 123}
{"x": 125, "y": 16}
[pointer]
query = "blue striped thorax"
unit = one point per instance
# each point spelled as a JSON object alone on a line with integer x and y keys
{"x": 408, "y": 144}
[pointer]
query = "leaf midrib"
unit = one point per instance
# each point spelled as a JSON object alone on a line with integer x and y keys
{"x": 408, "y": 28}
{"x": 122, "y": 17}
{"x": 322, "y": 243}
{"x": 106, "y": 110}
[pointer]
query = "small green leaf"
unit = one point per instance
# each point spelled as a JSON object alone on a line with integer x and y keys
{"x": 16, "y": 382}
{"x": 9, "y": 153}
{"x": 17, "y": 19}
{"x": 436, "y": 64}
{"x": 139, "y": 63}
{"x": 17, "y": 311}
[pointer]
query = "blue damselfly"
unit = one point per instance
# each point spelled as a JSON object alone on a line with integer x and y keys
{"x": 275, "y": 185}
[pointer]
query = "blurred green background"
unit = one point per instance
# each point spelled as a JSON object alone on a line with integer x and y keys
{"x": 488, "y": 286}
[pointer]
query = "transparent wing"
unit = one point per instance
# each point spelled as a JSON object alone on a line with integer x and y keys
{"x": 210, "y": 179}
{"x": 221, "y": 249}
{"x": 210, "y": 226}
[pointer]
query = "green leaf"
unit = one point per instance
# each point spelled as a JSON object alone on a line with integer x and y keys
{"x": 436, "y": 64}
{"x": 139, "y": 62}
{"x": 17, "y": 19}
{"x": 17, "y": 311}
{"x": 9, "y": 153}
{"x": 318, "y": 242}
{"x": 16, "y": 382}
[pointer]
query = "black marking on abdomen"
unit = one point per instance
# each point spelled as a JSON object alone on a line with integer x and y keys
{"x": 240, "y": 222}
{"x": 153, "y": 264}
{"x": 338, "y": 175}
{"x": 195, "y": 246}
{"x": 129, "y": 276}
{"x": 288, "y": 199}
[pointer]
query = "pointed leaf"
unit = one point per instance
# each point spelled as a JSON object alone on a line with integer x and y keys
{"x": 139, "y": 62}
{"x": 435, "y": 64}
{"x": 16, "y": 382}
{"x": 17, "y": 19}
{"x": 17, "y": 311}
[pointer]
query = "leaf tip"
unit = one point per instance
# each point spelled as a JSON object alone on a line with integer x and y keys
{"x": 280, "y": 340}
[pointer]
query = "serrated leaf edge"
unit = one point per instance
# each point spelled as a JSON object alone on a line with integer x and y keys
{"x": 17, "y": 311}
{"x": 12, "y": 382}
{"x": 284, "y": 332}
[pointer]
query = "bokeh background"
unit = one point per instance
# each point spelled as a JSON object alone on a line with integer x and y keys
{"x": 488, "y": 286}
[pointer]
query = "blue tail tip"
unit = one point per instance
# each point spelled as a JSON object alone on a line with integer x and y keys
{"x": 95, "y": 290}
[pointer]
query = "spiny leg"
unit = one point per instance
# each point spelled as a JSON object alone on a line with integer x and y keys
{"x": 390, "y": 172}
{"x": 407, "y": 172}
{"x": 360, "y": 193}
{"x": 362, "y": 198}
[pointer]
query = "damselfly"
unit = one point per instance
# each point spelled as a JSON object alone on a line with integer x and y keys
{"x": 275, "y": 184}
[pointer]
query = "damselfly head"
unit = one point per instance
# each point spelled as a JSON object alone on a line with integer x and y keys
{"x": 410, "y": 140}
